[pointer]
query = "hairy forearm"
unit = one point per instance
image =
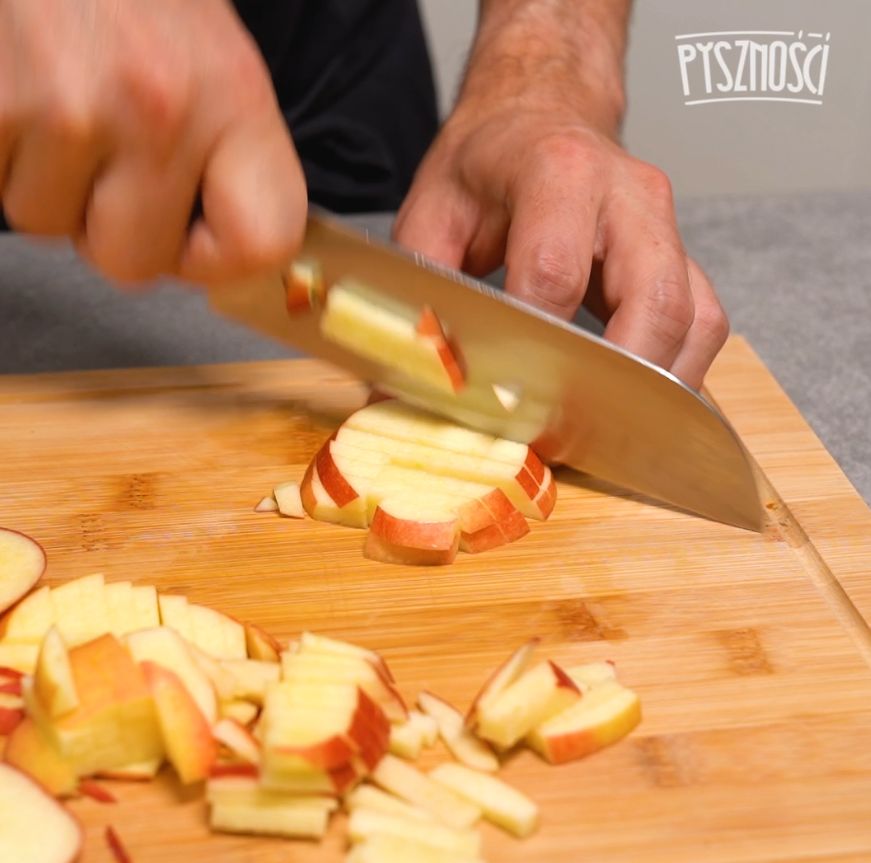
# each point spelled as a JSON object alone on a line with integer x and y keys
{"x": 551, "y": 54}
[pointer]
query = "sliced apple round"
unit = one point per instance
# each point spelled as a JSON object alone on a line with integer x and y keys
{"x": 410, "y": 530}
{"x": 22, "y": 563}
{"x": 34, "y": 827}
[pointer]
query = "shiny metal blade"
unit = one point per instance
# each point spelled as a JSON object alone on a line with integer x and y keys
{"x": 530, "y": 377}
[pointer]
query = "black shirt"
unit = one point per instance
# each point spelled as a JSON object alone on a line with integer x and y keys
{"x": 355, "y": 84}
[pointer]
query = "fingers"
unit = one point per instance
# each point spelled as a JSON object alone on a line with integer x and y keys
{"x": 645, "y": 281}
{"x": 552, "y": 238}
{"x": 708, "y": 333}
{"x": 254, "y": 204}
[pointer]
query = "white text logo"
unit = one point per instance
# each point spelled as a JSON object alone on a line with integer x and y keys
{"x": 753, "y": 66}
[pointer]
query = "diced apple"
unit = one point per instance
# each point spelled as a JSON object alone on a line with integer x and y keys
{"x": 30, "y": 619}
{"x": 407, "y": 782}
{"x": 309, "y": 642}
{"x": 266, "y": 504}
{"x": 319, "y": 504}
{"x": 22, "y": 563}
{"x": 292, "y": 818}
{"x": 588, "y": 676}
{"x": 216, "y": 633}
{"x": 33, "y": 752}
{"x": 80, "y": 611}
{"x": 143, "y": 771}
{"x": 11, "y": 701}
{"x": 115, "y": 722}
{"x": 287, "y": 496}
{"x": 243, "y": 712}
{"x": 175, "y": 613}
{"x": 607, "y": 713}
{"x": 428, "y": 726}
{"x": 21, "y": 657}
{"x": 250, "y": 677}
{"x": 121, "y": 608}
{"x": 367, "y": 824}
{"x": 167, "y": 648}
{"x": 260, "y": 644}
{"x": 384, "y": 848}
{"x": 375, "y": 800}
{"x": 409, "y": 530}
{"x": 222, "y": 680}
{"x": 461, "y": 743}
{"x": 347, "y": 477}
{"x": 34, "y": 827}
{"x": 538, "y": 694}
{"x": 53, "y": 680}
{"x": 237, "y": 739}
{"x": 246, "y": 789}
{"x": 146, "y": 607}
{"x": 187, "y": 737}
{"x": 500, "y": 803}
{"x": 502, "y": 678}
{"x": 406, "y": 740}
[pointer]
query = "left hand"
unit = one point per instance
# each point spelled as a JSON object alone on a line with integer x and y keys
{"x": 575, "y": 219}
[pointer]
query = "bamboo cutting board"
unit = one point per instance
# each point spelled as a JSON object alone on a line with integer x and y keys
{"x": 750, "y": 652}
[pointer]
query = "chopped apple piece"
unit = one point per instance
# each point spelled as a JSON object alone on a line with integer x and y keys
{"x": 217, "y": 634}
{"x": 588, "y": 676}
{"x": 246, "y": 789}
{"x": 304, "y": 286}
{"x": 237, "y": 739}
{"x": 116, "y": 846}
{"x": 53, "y": 681}
{"x": 500, "y": 803}
{"x": 175, "y": 613}
{"x": 384, "y": 848}
{"x": 10, "y": 717}
{"x": 115, "y": 722}
{"x": 319, "y": 504}
{"x": 267, "y": 504}
{"x": 287, "y": 496}
{"x": 502, "y": 678}
{"x": 366, "y": 824}
{"x": 22, "y": 563}
{"x": 121, "y": 608}
{"x": 167, "y": 648}
{"x": 139, "y": 772}
{"x": 429, "y": 728}
{"x": 89, "y": 788}
{"x": 250, "y": 678}
{"x": 146, "y": 606}
{"x": 408, "y": 530}
{"x": 406, "y": 740}
{"x": 292, "y": 817}
{"x": 375, "y": 800}
{"x": 80, "y": 611}
{"x": 34, "y": 827}
{"x": 30, "y": 619}
{"x": 389, "y": 332}
{"x": 407, "y": 782}
{"x": 243, "y": 712}
{"x": 461, "y": 743}
{"x": 190, "y": 746}
{"x": 538, "y": 694}
{"x": 309, "y": 642}
{"x": 21, "y": 657}
{"x": 260, "y": 644}
{"x": 607, "y": 713}
{"x": 33, "y": 752}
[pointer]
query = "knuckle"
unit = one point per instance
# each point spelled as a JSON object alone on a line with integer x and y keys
{"x": 669, "y": 308}
{"x": 160, "y": 94}
{"x": 250, "y": 76}
{"x": 565, "y": 147}
{"x": 654, "y": 180}
{"x": 554, "y": 278}
{"x": 712, "y": 322}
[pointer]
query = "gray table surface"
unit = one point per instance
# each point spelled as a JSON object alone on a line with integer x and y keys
{"x": 793, "y": 272}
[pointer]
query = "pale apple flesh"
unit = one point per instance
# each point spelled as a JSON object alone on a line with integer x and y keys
{"x": 461, "y": 743}
{"x": 22, "y": 563}
{"x": 33, "y": 752}
{"x": 53, "y": 680}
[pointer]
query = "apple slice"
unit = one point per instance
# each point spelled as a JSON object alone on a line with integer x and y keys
{"x": 115, "y": 722}
{"x": 375, "y": 800}
{"x": 146, "y": 606}
{"x": 260, "y": 644}
{"x": 410, "y": 530}
{"x": 366, "y": 824}
{"x": 267, "y": 504}
{"x": 384, "y": 848}
{"x": 293, "y": 817}
{"x": 406, "y": 740}
{"x": 116, "y": 846}
{"x": 538, "y": 694}
{"x": 310, "y": 642}
{"x": 461, "y": 743}
{"x": 243, "y": 712}
{"x": 216, "y": 633}
{"x": 121, "y": 607}
{"x": 502, "y": 678}
{"x": 246, "y": 789}
{"x": 607, "y": 713}
{"x": 319, "y": 504}
{"x": 167, "y": 648}
{"x": 80, "y": 611}
{"x": 30, "y": 619}
{"x": 21, "y": 657}
{"x": 34, "y": 827}
{"x": 53, "y": 681}
{"x": 238, "y": 739}
{"x": 142, "y": 771}
{"x": 407, "y": 782}
{"x": 22, "y": 563}
{"x": 588, "y": 676}
{"x": 287, "y": 496}
{"x": 31, "y": 751}
{"x": 304, "y": 286}
{"x": 500, "y": 803}
{"x": 190, "y": 746}
{"x": 250, "y": 678}
{"x": 175, "y": 613}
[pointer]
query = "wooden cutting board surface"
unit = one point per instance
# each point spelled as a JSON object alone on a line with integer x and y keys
{"x": 750, "y": 652}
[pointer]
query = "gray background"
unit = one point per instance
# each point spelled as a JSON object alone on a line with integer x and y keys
{"x": 757, "y": 147}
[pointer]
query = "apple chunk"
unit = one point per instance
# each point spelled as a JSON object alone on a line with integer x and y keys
{"x": 461, "y": 743}
{"x": 500, "y": 803}
{"x": 22, "y": 563}
{"x": 388, "y": 848}
{"x": 502, "y": 678}
{"x": 367, "y": 824}
{"x": 533, "y": 698}
{"x": 53, "y": 681}
{"x": 30, "y": 619}
{"x": 606, "y": 713}
{"x": 410, "y": 530}
{"x": 287, "y": 497}
{"x": 30, "y": 750}
{"x": 34, "y": 827}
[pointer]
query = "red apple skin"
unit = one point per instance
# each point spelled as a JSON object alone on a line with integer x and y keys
{"x": 218, "y": 770}
{"x": 430, "y": 327}
{"x": 9, "y": 719}
{"x": 333, "y": 480}
{"x": 260, "y": 644}
{"x": 10, "y": 673}
{"x": 116, "y": 846}
{"x": 379, "y": 550}
{"x": 36, "y": 575}
{"x": 305, "y": 491}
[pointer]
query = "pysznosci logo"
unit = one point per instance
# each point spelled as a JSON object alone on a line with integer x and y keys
{"x": 753, "y": 66}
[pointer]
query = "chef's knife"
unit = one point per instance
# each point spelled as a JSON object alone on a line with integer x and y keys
{"x": 530, "y": 377}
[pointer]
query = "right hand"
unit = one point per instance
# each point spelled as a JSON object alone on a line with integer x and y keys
{"x": 117, "y": 116}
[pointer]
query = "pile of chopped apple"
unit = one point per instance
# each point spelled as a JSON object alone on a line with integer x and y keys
{"x": 422, "y": 485}
{"x": 112, "y": 680}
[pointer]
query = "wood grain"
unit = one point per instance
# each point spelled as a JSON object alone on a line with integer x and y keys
{"x": 746, "y": 650}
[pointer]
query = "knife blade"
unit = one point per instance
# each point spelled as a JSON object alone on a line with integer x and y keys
{"x": 580, "y": 400}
